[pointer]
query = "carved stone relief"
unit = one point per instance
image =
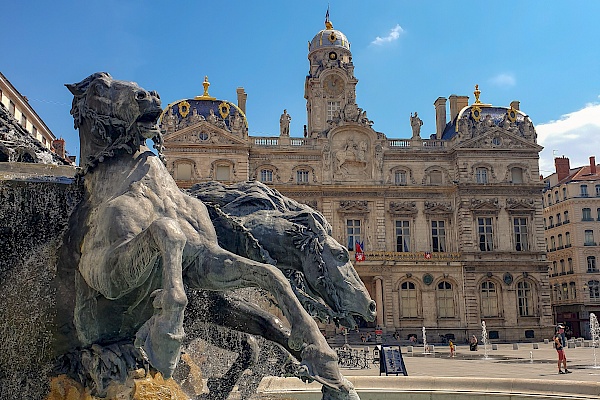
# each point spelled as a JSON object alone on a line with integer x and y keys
{"x": 403, "y": 207}
{"x": 353, "y": 206}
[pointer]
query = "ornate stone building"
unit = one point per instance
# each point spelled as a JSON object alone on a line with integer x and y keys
{"x": 451, "y": 225}
{"x": 572, "y": 226}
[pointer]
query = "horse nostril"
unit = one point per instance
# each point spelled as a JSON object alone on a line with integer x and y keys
{"x": 372, "y": 307}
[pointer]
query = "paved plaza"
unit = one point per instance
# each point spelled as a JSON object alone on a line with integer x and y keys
{"x": 526, "y": 362}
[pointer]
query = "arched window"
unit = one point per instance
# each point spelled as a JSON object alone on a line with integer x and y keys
{"x": 560, "y": 241}
{"x": 445, "y": 300}
{"x": 408, "y": 300}
{"x": 302, "y": 176}
{"x": 489, "y": 299}
{"x": 435, "y": 178}
{"x": 562, "y": 267}
{"x": 266, "y": 175}
{"x": 525, "y": 298}
{"x": 400, "y": 177}
{"x": 183, "y": 171}
{"x": 565, "y": 290}
{"x": 568, "y": 239}
{"x": 564, "y": 190}
{"x": 566, "y": 215}
{"x": 516, "y": 175}
{"x": 551, "y": 222}
{"x": 572, "y": 290}
{"x": 481, "y": 175}
{"x": 570, "y": 263}
{"x": 594, "y": 287}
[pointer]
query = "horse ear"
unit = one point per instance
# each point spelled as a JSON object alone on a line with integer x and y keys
{"x": 77, "y": 89}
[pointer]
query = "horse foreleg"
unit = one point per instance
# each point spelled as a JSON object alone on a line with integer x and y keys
{"x": 218, "y": 269}
{"x": 161, "y": 336}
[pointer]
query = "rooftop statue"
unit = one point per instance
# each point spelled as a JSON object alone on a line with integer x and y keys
{"x": 136, "y": 240}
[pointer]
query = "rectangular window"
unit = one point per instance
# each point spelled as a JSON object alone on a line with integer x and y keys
{"x": 589, "y": 238}
{"x": 223, "y": 173}
{"x": 517, "y": 175}
{"x": 266, "y": 175}
{"x": 302, "y": 176}
{"x": 23, "y": 121}
{"x": 400, "y": 177}
{"x": 481, "y": 175}
{"x": 333, "y": 108}
{"x": 525, "y": 298}
{"x": 484, "y": 229}
{"x": 520, "y": 227}
{"x": 584, "y": 191}
{"x": 11, "y": 108}
{"x": 408, "y": 300}
{"x": 597, "y": 190}
{"x": 438, "y": 236}
{"x": 591, "y": 264}
{"x": 353, "y": 233}
{"x": 402, "y": 236}
{"x": 34, "y": 131}
{"x": 586, "y": 214}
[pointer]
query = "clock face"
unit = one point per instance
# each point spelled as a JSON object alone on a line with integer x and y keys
{"x": 334, "y": 85}
{"x": 333, "y": 55}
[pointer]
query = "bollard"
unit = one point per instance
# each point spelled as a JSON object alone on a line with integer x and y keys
{"x": 571, "y": 345}
{"x": 578, "y": 343}
{"x": 587, "y": 343}
{"x": 494, "y": 347}
{"x": 515, "y": 346}
{"x": 546, "y": 341}
{"x": 409, "y": 349}
{"x": 536, "y": 346}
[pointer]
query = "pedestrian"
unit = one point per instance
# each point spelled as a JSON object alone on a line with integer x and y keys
{"x": 473, "y": 343}
{"x": 559, "y": 345}
{"x": 452, "y": 348}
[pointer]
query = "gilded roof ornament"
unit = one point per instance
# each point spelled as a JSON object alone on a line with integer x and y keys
{"x": 205, "y": 96}
{"x": 477, "y": 92}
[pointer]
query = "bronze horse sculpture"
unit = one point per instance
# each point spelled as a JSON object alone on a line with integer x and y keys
{"x": 257, "y": 222}
{"x": 136, "y": 242}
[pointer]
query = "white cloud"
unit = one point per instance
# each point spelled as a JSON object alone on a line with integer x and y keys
{"x": 393, "y": 35}
{"x": 504, "y": 79}
{"x": 575, "y": 135}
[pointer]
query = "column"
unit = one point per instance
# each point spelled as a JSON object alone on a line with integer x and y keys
{"x": 379, "y": 300}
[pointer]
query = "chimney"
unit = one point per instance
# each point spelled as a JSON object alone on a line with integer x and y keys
{"x": 515, "y": 104}
{"x": 241, "y": 98}
{"x": 563, "y": 168}
{"x": 440, "y": 116}
{"x": 59, "y": 147}
{"x": 457, "y": 103}
{"x": 592, "y": 165}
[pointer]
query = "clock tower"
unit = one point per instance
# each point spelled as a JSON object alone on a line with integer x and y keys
{"x": 330, "y": 84}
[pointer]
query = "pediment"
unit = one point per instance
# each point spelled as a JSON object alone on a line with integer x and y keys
{"x": 498, "y": 138}
{"x": 403, "y": 207}
{"x": 353, "y": 206}
{"x": 204, "y": 132}
{"x": 484, "y": 206}
{"x": 520, "y": 206}
{"x": 437, "y": 208}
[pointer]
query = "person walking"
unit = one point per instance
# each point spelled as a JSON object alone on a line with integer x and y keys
{"x": 559, "y": 345}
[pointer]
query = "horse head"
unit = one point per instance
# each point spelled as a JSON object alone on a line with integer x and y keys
{"x": 328, "y": 272}
{"x": 113, "y": 116}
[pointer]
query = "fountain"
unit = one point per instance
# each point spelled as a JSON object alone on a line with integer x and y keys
{"x": 484, "y": 340}
{"x": 595, "y": 333}
{"x": 76, "y": 320}
{"x": 426, "y": 349}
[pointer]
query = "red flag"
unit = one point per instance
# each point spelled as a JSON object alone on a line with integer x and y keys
{"x": 359, "y": 257}
{"x": 427, "y": 255}
{"x": 357, "y": 247}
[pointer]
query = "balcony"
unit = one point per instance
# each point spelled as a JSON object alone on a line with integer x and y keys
{"x": 590, "y": 244}
{"x": 410, "y": 256}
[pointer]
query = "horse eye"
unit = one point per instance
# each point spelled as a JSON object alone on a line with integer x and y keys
{"x": 140, "y": 95}
{"x": 341, "y": 257}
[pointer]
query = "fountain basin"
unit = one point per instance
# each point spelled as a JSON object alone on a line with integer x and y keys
{"x": 440, "y": 388}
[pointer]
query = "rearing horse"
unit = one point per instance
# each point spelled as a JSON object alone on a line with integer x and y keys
{"x": 137, "y": 237}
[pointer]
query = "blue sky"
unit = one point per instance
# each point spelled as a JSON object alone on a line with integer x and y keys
{"x": 406, "y": 54}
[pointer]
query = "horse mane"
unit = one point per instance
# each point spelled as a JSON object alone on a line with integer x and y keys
{"x": 114, "y": 133}
{"x": 308, "y": 227}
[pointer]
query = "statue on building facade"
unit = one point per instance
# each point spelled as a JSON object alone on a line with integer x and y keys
{"x": 284, "y": 124}
{"x": 416, "y": 123}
